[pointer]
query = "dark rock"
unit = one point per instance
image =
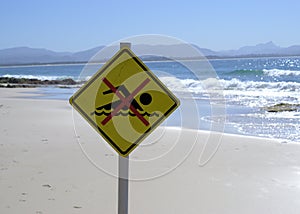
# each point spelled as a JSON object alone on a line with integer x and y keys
{"x": 47, "y": 185}
{"x": 281, "y": 107}
{"x": 11, "y": 82}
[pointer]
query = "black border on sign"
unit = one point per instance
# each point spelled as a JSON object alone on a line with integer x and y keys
{"x": 153, "y": 77}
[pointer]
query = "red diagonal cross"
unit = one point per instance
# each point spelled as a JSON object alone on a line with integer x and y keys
{"x": 126, "y": 101}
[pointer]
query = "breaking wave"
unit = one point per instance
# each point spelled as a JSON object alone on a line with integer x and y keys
{"x": 197, "y": 86}
{"x": 236, "y": 84}
{"x": 39, "y": 77}
{"x": 266, "y": 72}
{"x": 279, "y": 72}
{"x": 246, "y": 72}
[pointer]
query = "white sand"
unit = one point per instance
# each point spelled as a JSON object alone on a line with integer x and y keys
{"x": 44, "y": 170}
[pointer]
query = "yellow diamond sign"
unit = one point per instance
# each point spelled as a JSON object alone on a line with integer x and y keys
{"x": 124, "y": 101}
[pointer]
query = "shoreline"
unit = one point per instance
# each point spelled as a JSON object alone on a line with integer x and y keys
{"x": 54, "y": 93}
{"x": 206, "y": 58}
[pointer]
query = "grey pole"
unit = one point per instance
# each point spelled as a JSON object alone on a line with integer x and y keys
{"x": 123, "y": 172}
{"x": 123, "y": 185}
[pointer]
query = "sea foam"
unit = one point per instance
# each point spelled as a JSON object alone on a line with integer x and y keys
{"x": 39, "y": 77}
{"x": 279, "y": 72}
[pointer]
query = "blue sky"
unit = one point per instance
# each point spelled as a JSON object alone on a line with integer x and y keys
{"x": 73, "y": 25}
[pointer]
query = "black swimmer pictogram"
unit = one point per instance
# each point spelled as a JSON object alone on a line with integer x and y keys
{"x": 126, "y": 105}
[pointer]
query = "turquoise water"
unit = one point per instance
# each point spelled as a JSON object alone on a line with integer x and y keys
{"x": 248, "y": 85}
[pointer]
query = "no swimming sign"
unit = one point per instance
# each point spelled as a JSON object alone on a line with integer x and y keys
{"x": 124, "y": 101}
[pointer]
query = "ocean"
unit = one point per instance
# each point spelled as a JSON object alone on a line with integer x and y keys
{"x": 249, "y": 85}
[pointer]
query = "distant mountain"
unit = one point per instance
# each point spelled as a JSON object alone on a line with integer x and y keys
{"x": 206, "y": 51}
{"x": 172, "y": 51}
{"x": 292, "y": 50}
{"x": 26, "y": 55}
{"x": 84, "y": 56}
{"x": 264, "y": 49}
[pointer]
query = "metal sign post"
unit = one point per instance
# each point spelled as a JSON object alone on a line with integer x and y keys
{"x": 123, "y": 173}
{"x": 123, "y": 185}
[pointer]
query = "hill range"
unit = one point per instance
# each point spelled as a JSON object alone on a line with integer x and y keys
{"x": 27, "y": 55}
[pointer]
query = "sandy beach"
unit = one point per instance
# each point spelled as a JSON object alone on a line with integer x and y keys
{"x": 43, "y": 168}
